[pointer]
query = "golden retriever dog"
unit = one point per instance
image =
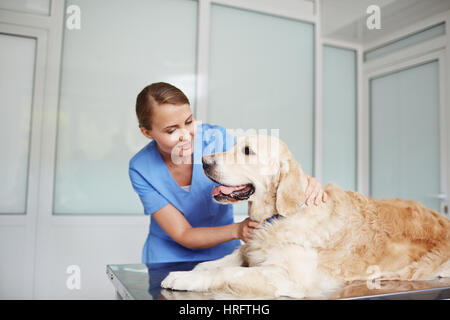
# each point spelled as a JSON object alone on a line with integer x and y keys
{"x": 309, "y": 251}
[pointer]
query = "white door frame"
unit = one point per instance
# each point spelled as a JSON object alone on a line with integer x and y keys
{"x": 28, "y": 220}
{"x": 378, "y": 70}
{"x": 359, "y": 52}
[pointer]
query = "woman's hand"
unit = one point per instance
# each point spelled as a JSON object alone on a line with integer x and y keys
{"x": 314, "y": 192}
{"x": 245, "y": 229}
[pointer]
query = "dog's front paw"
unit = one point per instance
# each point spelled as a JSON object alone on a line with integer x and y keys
{"x": 186, "y": 280}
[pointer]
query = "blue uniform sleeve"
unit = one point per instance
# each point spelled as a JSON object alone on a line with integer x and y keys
{"x": 217, "y": 139}
{"x": 151, "y": 199}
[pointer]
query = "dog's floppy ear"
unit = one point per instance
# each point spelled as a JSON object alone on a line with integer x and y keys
{"x": 292, "y": 184}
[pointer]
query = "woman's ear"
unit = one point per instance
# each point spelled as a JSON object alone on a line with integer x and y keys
{"x": 291, "y": 187}
{"x": 146, "y": 132}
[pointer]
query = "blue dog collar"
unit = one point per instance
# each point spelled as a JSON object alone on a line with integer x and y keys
{"x": 272, "y": 218}
{"x": 277, "y": 216}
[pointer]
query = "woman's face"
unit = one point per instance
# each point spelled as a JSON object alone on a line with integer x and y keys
{"x": 173, "y": 128}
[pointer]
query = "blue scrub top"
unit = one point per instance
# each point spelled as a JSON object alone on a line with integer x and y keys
{"x": 156, "y": 188}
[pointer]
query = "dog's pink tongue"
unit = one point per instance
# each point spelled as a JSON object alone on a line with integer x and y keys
{"x": 224, "y": 190}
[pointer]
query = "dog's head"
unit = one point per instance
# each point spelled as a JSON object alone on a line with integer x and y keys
{"x": 259, "y": 169}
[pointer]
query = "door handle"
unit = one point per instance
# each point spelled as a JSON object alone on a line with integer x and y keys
{"x": 440, "y": 196}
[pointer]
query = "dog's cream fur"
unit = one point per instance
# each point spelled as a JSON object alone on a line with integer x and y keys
{"x": 313, "y": 250}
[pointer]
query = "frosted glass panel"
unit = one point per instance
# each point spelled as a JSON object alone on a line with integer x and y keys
{"x": 405, "y": 143}
{"x": 40, "y": 7}
{"x": 261, "y": 76}
{"x": 339, "y": 117}
{"x": 17, "y": 56}
{"x": 105, "y": 65}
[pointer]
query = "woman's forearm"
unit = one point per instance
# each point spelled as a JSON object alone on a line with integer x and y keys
{"x": 206, "y": 237}
{"x": 178, "y": 228}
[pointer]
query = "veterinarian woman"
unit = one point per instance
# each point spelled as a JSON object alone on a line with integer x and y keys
{"x": 186, "y": 224}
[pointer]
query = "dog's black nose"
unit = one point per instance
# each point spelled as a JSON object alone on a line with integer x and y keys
{"x": 208, "y": 162}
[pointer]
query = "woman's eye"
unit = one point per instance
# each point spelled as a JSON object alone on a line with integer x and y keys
{"x": 248, "y": 151}
{"x": 189, "y": 122}
{"x": 170, "y": 132}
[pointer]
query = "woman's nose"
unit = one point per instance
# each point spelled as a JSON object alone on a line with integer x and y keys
{"x": 185, "y": 136}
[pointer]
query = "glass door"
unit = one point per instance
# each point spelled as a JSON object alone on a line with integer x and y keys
{"x": 405, "y": 135}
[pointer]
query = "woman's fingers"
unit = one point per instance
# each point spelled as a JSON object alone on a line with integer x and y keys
{"x": 312, "y": 191}
{"x": 249, "y": 229}
{"x": 316, "y": 196}
{"x": 319, "y": 198}
{"x": 309, "y": 188}
{"x": 247, "y": 235}
{"x": 319, "y": 195}
{"x": 312, "y": 196}
{"x": 253, "y": 224}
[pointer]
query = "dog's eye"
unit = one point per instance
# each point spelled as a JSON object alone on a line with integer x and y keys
{"x": 247, "y": 151}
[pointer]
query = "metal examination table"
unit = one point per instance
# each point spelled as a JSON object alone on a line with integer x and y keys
{"x": 142, "y": 282}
